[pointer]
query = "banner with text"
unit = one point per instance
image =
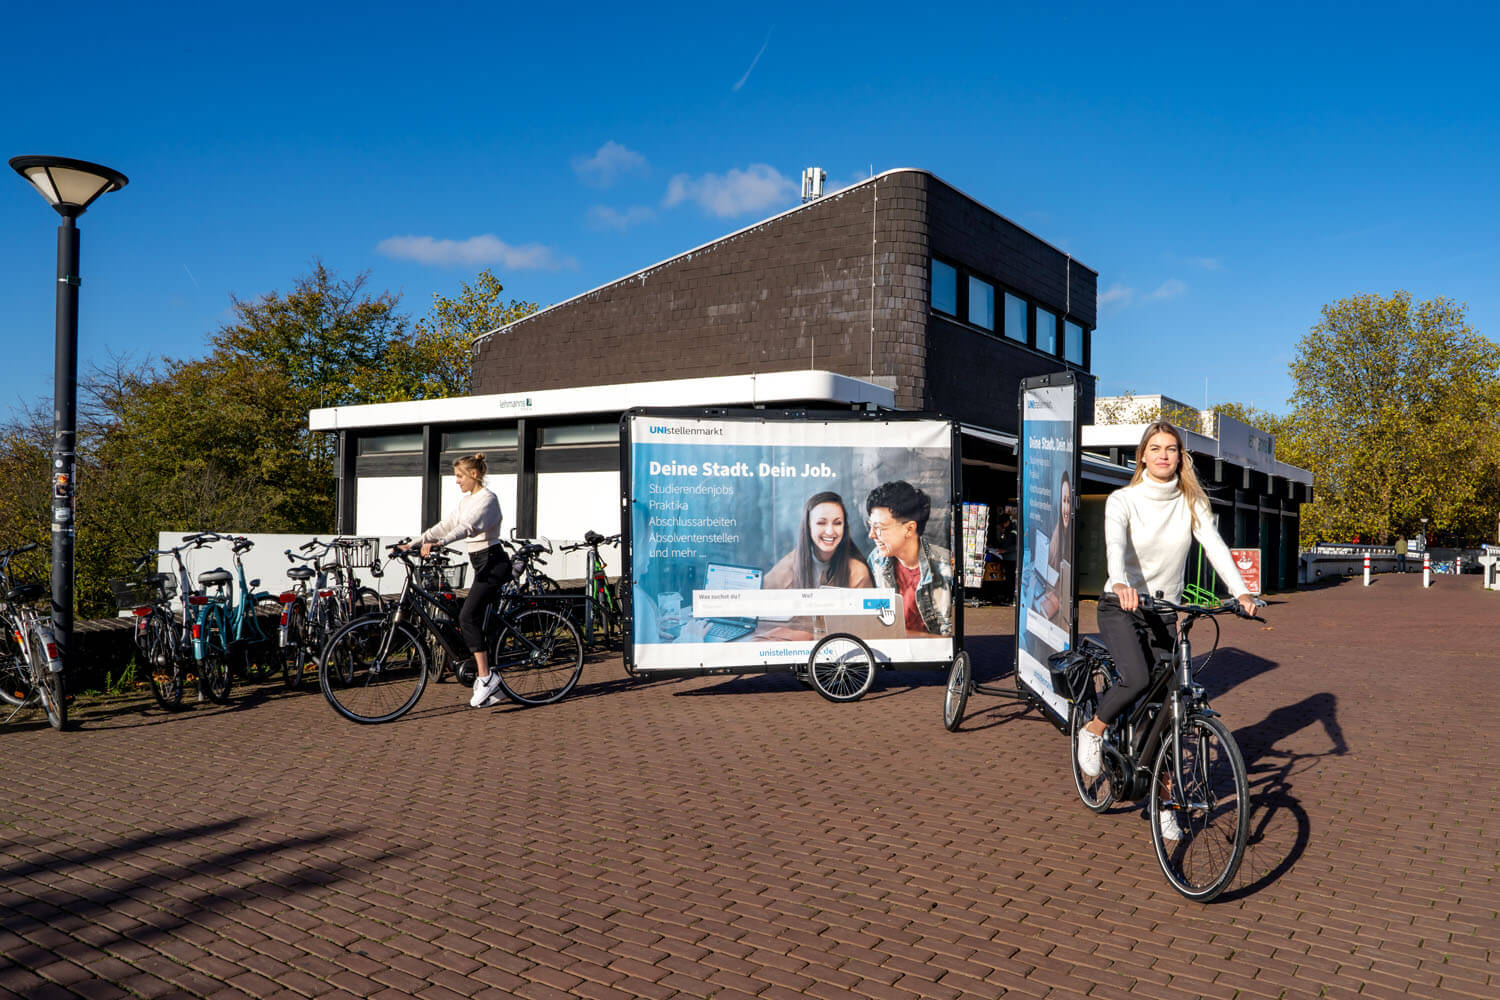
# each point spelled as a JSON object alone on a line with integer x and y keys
{"x": 752, "y": 538}
{"x": 1049, "y": 504}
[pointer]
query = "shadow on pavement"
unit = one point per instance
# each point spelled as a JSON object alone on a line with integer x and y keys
{"x": 1280, "y": 829}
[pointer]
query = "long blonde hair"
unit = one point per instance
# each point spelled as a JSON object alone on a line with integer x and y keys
{"x": 1187, "y": 474}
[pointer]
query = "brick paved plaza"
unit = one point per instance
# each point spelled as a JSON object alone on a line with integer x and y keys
{"x": 742, "y": 837}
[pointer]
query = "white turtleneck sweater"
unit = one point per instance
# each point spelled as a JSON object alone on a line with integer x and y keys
{"x": 1147, "y": 532}
{"x": 476, "y": 518}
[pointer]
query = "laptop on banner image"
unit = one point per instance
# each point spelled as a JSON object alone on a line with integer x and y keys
{"x": 725, "y": 576}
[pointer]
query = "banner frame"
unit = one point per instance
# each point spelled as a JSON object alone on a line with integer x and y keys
{"x": 1050, "y": 380}
{"x": 867, "y": 414}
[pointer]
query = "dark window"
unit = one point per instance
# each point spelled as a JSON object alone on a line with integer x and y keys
{"x": 944, "y": 288}
{"x": 1046, "y": 331}
{"x": 981, "y": 303}
{"x": 1015, "y": 318}
{"x": 386, "y": 444}
{"x": 1073, "y": 342}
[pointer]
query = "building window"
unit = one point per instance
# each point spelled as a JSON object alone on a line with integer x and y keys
{"x": 1046, "y": 331}
{"x": 582, "y": 434}
{"x": 944, "y": 288}
{"x": 981, "y": 303}
{"x": 478, "y": 440}
{"x": 385, "y": 444}
{"x": 1073, "y": 342}
{"x": 1015, "y": 318}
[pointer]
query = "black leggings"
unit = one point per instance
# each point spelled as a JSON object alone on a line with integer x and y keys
{"x": 491, "y": 572}
{"x": 1136, "y": 639}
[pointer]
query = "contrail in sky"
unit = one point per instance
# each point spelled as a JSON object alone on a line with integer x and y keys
{"x": 762, "y": 52}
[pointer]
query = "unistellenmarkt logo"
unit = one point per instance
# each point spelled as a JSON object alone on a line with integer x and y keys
{"x": 685, "y": 431}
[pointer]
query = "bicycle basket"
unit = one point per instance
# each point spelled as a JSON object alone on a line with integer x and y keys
{"x": 152, "y": 589}
{"x": 362, "y": 551}
{"x": 444, "y": 576}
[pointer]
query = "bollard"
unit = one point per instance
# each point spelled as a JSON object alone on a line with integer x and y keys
{"x": 1426, "y": 570}
{"x": 1367, "y": 569}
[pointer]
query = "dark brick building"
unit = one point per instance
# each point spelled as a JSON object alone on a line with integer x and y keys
{"x": 900, "y": 280}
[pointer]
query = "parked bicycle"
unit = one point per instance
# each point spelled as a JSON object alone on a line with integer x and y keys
{"x": 325, "y": 593}
{"x": 375, "y": 669}
{"x": 228, "y": 628}
{"x": 527, "y": 576}
{"x": 1170, "y": 749}
{"x": 601, "y": 610}
{"x": 31, "y": 669}
{"x": 164, "y": 635}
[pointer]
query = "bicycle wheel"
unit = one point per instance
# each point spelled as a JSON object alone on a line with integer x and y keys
{"x": 372, "y": 671}
{"x": 214, "y": 675}
{"x": 1210, "y": 803}
{"x": 1098, "y": 792}
{"x": 163, "y": 668}
{"x": 262, "y": 657}
{"x": 294, "y": 649}
{"x": 957, "y": 695}
{"x": 538, "y": 656}
{"x": 842, "y": 667}
{"x": 15, "y": 684}
{"x": 49, "y": 683}
{"x": 367, "y": 602}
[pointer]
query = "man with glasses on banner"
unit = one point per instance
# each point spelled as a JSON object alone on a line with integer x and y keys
{"x": 903, "y": 561}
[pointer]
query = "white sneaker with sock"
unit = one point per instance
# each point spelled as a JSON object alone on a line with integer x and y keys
{"x": 1090, "y": 761}
{"x": 484, "y": 688}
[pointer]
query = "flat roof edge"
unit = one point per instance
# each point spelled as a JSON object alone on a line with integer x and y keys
{"x": 766, "y": 388}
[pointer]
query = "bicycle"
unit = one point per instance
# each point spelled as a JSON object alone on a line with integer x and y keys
{"x": 526, "y": 578}
{"x": 228, "y": 625}
{"x": 1196, "y": 783}
{"x": 164, "y": 637}
{"x": 31, "y": 668}
{"x": 310, "y": 615}
{"x": 375, "y": 668}
{"x": 601, "y": 606}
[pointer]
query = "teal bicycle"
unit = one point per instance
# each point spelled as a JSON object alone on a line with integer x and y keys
{"x": 228, "y": 636}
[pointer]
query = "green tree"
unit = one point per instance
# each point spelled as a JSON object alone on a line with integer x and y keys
{"x": 436, "y": 361}
{"x": 1396, "y": 411}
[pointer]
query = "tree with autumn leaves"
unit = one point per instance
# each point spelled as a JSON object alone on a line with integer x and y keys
{"x": 222, "y": 441}
{"x": 1396, "y": 411}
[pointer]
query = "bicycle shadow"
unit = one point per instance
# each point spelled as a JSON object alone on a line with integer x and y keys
{"x": 1280, "y": 828}
{"x": 142, "y": 710}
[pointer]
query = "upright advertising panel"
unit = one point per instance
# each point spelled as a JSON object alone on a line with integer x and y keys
{"x": 751, "y": 536}
{"x": 1045, "y": 611}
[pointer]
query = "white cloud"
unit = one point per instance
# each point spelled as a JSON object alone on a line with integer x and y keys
{"x": 606, "y": 165}
{"x": 1169, "y": 289}
{"x": 605, "y": 217}
{"x": 754, "y": 189}
{"x": 476, "y": 250}
{"x": 1206, "y": 263}
{"x": 1117, "y": 293}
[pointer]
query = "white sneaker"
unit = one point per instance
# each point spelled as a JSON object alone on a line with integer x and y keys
{"x": 484, "y": 689}
{"x": 1089, "y": 759}
{"x": 1167, "y": 821}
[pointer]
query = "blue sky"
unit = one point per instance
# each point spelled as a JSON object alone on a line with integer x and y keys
{"x": 1226, "y": 171}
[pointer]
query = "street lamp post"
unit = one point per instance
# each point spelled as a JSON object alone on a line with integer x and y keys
{"x": 70, "y": 186}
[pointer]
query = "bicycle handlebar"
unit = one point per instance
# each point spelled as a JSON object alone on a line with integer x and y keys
{"x": 1229, "y": 604}
{"x": 8, "y": 553}
{"x": 591, "y": 539}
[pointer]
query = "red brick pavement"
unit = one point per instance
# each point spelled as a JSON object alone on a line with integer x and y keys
{"x": 741, "y": 837}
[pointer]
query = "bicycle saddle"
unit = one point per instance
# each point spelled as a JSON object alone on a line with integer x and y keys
{"x": 215, "y": 578}
{"x": 593, "y": 537}
{"x": 303, "y": 573}
{"x": 25, "y": 593}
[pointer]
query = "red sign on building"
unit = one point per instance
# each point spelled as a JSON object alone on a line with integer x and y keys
{"x": 1247, "y": 561}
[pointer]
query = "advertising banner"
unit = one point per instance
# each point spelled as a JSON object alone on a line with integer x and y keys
{"x": 1049, "y": 505}
{"x": 1247, "y": 561}
{"x": 751, "y": 537}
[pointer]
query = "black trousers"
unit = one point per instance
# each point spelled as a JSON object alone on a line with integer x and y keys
{"x": 491, "y": 572}
{"x": 1136, "y": 639}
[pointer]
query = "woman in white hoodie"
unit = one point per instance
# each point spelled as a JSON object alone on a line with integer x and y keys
{"x": 1149, "y": 526}
{"x": 476, "y": 521}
